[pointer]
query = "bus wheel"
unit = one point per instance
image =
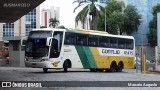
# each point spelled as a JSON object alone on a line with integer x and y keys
{"x": 93, "y": 70}
{"x": 113, "y": 67}
{"x": 119, "y": 67}
{"x": 65, "y": 66}
{"x": 45, "y": 70}
{"x": 107, "y": 70}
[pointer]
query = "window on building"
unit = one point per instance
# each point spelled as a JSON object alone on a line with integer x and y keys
{"x": 15, "y": 46}
{"x": 8, "y": 29}
{"x": 30, "y": 17}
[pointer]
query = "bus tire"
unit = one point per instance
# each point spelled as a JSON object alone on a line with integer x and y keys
{"x": 65, "y": 66}
{"x": 107, "y": 70}
{"x": 113, "y": 67}
{"x": 45, "y": 70}
{"x": 120, "y": 67}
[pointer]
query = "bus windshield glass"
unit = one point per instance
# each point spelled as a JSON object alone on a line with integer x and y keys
{"x": 36, "y": 44}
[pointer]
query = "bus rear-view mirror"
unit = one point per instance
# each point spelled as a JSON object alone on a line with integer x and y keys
{"x": 23, "y": 41}
{"x": 48, "y": 42}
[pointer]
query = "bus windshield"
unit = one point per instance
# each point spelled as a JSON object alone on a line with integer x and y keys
{"x": 36, "y": 48}
{"x": 36, "y": 44}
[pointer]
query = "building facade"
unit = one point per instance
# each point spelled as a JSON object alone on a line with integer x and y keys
{"x": 22, "y": 26}
{"x": 144, "y": 7}
{"x": 46, "y": 14}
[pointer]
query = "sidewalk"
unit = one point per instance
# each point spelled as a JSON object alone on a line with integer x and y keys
{"x": 3, "y": 62}
{"x": 153, "y": 72}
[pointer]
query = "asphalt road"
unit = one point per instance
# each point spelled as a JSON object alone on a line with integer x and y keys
{"x": 35, "y": 74}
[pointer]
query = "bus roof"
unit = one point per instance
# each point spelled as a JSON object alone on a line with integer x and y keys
{"x": 48, "y": 29}
{"x": 84, "y": 31}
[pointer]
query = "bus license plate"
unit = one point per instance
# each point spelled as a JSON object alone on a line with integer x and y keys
{"x": 33, "y": 63}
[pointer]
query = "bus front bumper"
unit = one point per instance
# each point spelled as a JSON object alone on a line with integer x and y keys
{"x": 43, "y": 64}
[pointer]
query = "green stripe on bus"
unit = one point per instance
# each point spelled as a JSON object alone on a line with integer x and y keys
{"x": 90, "y": 57}
{"x": 82, "y": 56}
{"x": 86, "y": 57}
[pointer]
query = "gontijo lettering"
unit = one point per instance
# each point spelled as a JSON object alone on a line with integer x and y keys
{"x": 107, "y": 51}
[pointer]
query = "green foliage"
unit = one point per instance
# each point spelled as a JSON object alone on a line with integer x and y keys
{"x": 153, "y": 23}
{"x": 115, "y": 22}
{"x": 152, "y": 36}
{"x": 91, "y": 8}
{"x": 53, "y": 22}
{"x": 156, "y": 9}
{"x": 113, "y": 17}
{"x": 114, "y": 6}
{"x": 120, "y": 19}
{"x": 132, "y": 21}
{"x": 100, "y": 23}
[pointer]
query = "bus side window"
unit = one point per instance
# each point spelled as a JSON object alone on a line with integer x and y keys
{"x": 104, "y": 42}
{"x": 81, "y": 39}
{"x": 113, "y": 42}
{"x": 93, "y": 40}
{"x": 129, "y": 44}
{"x": 121, "y": 43}
{"x": 69, "y": 39}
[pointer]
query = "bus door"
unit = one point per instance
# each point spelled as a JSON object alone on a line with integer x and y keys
{"x": 56, "y": 44}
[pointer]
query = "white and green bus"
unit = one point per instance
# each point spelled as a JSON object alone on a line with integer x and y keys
{"x": 50, "y": 48}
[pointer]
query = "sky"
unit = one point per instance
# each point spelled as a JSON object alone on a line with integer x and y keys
{"x": 67, "y": 17}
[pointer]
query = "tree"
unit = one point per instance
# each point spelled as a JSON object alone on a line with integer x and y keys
{"x": 132, "y": 21}
{"x": 115, "y": 23}
{"x": 120, "y": 19}
{"x": 114, "y": 17}
{"x": 91, "y": 7}
{"x": 152, "y": 36}
{"x": 53, "y": 22}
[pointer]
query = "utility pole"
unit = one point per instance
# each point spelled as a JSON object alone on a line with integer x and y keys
{"x": 105, "y": 18}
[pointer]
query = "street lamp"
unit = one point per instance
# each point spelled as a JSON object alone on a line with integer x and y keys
{"x": 141, "y": 50}
{"x": 104, "y": 1}
{"x": 105, "y": 18}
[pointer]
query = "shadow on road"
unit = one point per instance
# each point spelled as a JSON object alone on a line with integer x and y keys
{"x": 75, "y": 71}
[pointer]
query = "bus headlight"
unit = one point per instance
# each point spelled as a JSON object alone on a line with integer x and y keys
{"x": 26, "y": 59}
{"x": 42, "y": 60}
{"x": 45, "y": 59}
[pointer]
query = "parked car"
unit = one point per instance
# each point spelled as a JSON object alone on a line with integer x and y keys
{"x": 152, "y": 59}
{"x": 138, "y": 59}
